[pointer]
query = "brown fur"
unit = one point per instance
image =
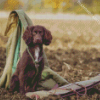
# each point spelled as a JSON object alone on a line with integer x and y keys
{"x": 34, "y": 36}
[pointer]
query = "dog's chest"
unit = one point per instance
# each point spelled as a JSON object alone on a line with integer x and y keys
{"x": 37, "y": 51}
{"x": 30, "y": 71}
{"x": 31, "y": 74}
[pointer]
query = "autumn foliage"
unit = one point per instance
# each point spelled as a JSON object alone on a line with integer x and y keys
{"x": 57, "y": 4}
{"x": 65, "y": 6}
{"x": 12, "y": 4}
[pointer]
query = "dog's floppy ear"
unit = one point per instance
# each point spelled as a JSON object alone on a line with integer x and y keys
{"x": 47, "y": 36}
{"x": 27, "y": 36}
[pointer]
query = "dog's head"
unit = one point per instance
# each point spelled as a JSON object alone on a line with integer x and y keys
{"x": 37, "y": 35}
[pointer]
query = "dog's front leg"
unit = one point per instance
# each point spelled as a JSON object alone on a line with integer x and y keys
{"x": 37, "y": 80}
{"x": 38, "y": 77}
{"x": 14, "y": 84}
{"x": 21, "y": 83}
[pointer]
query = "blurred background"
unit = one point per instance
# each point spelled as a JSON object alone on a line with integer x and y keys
{"x": 73, "y": 23}
{"x": 53, "y": 6}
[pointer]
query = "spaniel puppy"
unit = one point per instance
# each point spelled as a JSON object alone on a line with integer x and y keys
{"x": 31, "y": 64}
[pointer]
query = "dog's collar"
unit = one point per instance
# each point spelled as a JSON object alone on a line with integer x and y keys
{"x": 36, "y": 63}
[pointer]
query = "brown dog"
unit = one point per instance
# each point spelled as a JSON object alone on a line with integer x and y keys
{"x": 31, "y": 64}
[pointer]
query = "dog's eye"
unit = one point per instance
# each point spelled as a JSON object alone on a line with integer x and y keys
{"x": 36, "y": 32}
{"x": 40, "y": 31}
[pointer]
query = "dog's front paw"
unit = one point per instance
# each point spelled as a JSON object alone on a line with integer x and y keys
{"x": 22, "y": 91}
{"x": 10, "y": 90}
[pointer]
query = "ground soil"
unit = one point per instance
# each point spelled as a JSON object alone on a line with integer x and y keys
{"x": 81, "y": 65}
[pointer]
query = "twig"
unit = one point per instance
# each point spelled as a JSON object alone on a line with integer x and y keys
{"x": 67, "y": 65}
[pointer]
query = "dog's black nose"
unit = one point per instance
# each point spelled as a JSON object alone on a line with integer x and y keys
{"x": 38, "y": 40}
